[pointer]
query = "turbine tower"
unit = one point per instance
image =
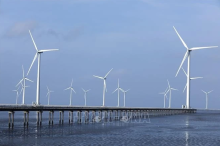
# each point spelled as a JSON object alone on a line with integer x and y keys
{"x": 207, "y": 97}
{"x": 169, "y": 89}
{"x": 118, "y": 89}
{"x": 48, "y": 95}
{"x": 71, "y": 89}
{"x": 187, "y": 55}
{"x": 38, "y": 55}
{"x": 85, "y": 93}
{"x": 104, "y": 88}
{"x": 165, "y": 96}
{"x": 23, "y": 85}
{"x": 190, "y": 79}
{"x": 124, "y": 94}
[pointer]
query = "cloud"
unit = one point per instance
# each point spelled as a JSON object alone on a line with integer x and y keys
{"x": 73, "y": 34}
{"x": 20, "y": 28}
{"x": 66, "y": 36}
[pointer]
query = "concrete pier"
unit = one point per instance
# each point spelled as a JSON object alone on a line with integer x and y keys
{"x": 104, "y": 114}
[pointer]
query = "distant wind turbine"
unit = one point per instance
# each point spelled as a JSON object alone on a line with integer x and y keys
{"x": 207, "y": 97}
{"x": 71, "y": 89}
{"x": 85, "y": 93}
{"x": 124, "y": 94}
{"x": 187, "y": 55}
{"x": 190, "y": 78}
{"x": 38, "y": 55}
{"x": 165, "y": 96}
{"x": 169, "y": 89}
{"x": 104, "y": 88}
{"x": 118, "y": 89}
{"x": 48, "y": 95}
{"x": 23, "y": 85}
{"x": 17, "y": 94}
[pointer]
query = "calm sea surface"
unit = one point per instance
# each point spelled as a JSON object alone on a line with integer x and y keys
{"x": 199, "y": 129}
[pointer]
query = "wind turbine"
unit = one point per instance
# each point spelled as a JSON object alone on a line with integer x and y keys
{"x": 38, "y": 55}
{"x": 165, "y": 96}
{"x": 118, "y": 92}
{"x": 190, "y": 78}
{"x": 71, "y": 89}
{"x": 169, "y": 89}
{"x": 48, "y": 95}
{"x": 23, "y": 85}
{"x": 207, "y": 97}
{"x": 85, "y": 93}
{"x": 187, "y": 55}
{"x": 17, "y": 94}
{"x": 124, "y": 94}
{"x": 104, "y": 88}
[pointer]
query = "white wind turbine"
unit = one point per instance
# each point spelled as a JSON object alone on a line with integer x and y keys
{"x": 104, "y": 88}
{"x": 38, "y": 55}
{"x": 169, "y": 89}
{"x": 187, "y": 55}
{"x": 118, "y": 89}
{"x": 207, "y": 97}
{"x": 165, "y": 96}
{"x": 190, "y": 78}
{"x": 48, "y": 95}
{"x": 23, "y": 85}
{"x": 85, "y": 93}
{"x": 71, "y": 89}
{"x": 17, "y": 94}
{"x": 124, "y": 94}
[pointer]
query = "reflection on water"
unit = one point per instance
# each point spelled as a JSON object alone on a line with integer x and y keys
{"x": 202, "y": 128}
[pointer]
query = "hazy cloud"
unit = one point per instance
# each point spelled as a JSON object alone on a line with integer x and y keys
{"x": 73, "y": 34}
{"x": 20, "y": 28}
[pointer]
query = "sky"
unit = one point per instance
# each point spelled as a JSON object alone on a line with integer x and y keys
{"x": 134, "y": 37}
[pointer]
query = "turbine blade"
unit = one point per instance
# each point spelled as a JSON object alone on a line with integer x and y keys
{"x": 33, "y": 41}
{"x": 115, "y": 90}
{"x": 184, "y": 88}
{"x": 168, "y": 84}
{"x": 181, "y": 38}
{"x": 108, "y": 73}
{"x": 210, "y": 91}
{"x": 23, "y": 70}
{"x": 121, "y": 90}
{"x": 71, "y": 83}
{"x": 67, "y": 88}
{"x": 184, "y": 58}
{"x": 98, "y": 77}
{"x": 197, "y": 48}
{"x": 73, "y": 90}
{"x": 48, "y": 89}
{"x": 29, "y": 80}
{"x": 203, "y": 91}
{"x": 19, "y": 82}
{"x": 48, "y": 50}
{"x": 83, "y": 90}
{"x": 127, "y": 90}
{"x": 35, "y": 57}
{"x": 173, "y": 89}
{"x": 184, "y": 71}
{"x": 195, "y": 78}
{"x": 88, "y": 90}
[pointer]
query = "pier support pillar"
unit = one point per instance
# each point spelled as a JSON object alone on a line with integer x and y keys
{"x": 11, "y": 119}
{"x": 70, "y": 117}
{"x": 61, "y": 118}
{"x": 26, "y": 118}
{"x": 51, "y": 114}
